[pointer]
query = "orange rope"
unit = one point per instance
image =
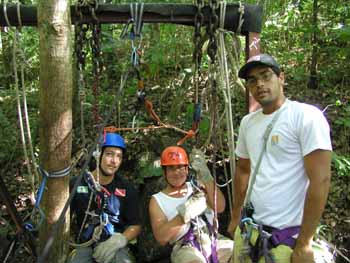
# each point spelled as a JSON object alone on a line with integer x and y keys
{"x": 188, "y": 134}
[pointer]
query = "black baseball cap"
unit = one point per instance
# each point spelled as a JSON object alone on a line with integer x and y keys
{"x": 259, "y": 60}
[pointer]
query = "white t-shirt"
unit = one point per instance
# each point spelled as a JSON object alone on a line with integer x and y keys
{"x": 279, "y": 191}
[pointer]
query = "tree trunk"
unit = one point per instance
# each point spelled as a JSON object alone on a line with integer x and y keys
{"x": 55, "y": 116}
{"x": 313, "y": 79}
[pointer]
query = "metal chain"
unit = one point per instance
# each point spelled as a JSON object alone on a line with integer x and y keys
{"x": 97, "y": 66}
{"x": 197, "y": 41}
{"x": 212, "y": 30}
{"x": 80, "y": 40}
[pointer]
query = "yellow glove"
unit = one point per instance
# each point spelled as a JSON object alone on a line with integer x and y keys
{"x": 106, "y": 250}
{"x": 193, "y": 207}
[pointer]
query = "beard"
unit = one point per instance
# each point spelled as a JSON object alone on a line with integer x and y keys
{"x": 104, "y": 173}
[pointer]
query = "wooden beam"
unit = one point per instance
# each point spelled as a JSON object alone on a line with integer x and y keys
{"x": 183, "y": 14}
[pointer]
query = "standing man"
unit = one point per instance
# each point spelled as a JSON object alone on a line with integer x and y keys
{"x": 292, "y": 179}
{"x": 106, "y": 209}
{"x": 182, "y": 213}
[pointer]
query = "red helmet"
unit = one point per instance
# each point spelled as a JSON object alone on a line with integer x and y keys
{"x": 174, "y": 155}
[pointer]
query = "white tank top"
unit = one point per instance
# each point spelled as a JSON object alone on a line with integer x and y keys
{"x": 168, "y": 206}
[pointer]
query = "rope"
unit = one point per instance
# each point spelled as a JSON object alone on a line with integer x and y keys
{"x": 241, "y": 20}
{"x": 15, "y": 50}
{"x": 85, "y": 217}
{"x": 226, "y": 90}
{"x": 136, "y": 19}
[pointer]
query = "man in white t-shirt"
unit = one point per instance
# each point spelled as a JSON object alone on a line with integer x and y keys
{"x": 292, "y": 180}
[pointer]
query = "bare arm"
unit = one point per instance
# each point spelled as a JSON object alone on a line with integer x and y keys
{"x": 163, "y": 230}
{"x": 318, "y": 169}
{"x": 132, "y": 232}
{"x": 241, "y": 181}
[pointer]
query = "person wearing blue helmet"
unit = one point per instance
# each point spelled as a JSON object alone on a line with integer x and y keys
{"x": 106, "y": 209}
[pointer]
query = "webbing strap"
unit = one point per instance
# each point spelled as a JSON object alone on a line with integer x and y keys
{"x": 268, "y": 238}
{"x": 57, "y": 174}
{"x": 265, "y": 137}
{"x": 190, "y": 238}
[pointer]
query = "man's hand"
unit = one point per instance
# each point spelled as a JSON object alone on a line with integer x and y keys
{"x": 303, "y": 254}
{"x": 105, "y": 251}
{"x": 193, "y": 207}
{"x": 236, "y": 217}
{"x": 199, "y": 164}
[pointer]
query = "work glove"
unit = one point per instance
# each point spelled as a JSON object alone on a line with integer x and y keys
{"x": 193, "y": 207}
{"x": 106, "y": 250}
{"x": 199, "y": 164}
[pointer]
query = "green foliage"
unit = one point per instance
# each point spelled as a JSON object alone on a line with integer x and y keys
{"x": 341, "y": 164}
{"x": 8, "y": 141}
{"x": 343, "y": 119}
{"x": 149, "y": 166}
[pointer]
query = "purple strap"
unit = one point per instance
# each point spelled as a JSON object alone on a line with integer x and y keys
{"x": 190, "y": 238}
{"x": 214, "y": 254}
{"x": 284, "y": 236}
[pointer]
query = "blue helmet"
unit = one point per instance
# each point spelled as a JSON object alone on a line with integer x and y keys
{"x": 113, "y": 140}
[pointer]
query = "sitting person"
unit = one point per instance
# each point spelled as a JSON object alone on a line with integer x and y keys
{"x": 106, "y": 209}
{"x": 182, "y": 213}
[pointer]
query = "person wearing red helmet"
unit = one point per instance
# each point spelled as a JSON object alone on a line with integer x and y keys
{"x": 105, "y": 209}
{"x": 182, "y": 213}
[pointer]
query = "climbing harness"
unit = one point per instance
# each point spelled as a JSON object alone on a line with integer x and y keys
{"x": 193, "y": 235}
{"x": 99, "y": 227}
{"x": 190, "y": 238}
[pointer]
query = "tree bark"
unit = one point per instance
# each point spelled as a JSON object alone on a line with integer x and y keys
{"x": 55, "y": 116}
{"x": 313, "y": 79}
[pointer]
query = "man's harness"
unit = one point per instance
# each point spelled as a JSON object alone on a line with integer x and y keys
{"x": 268, "y": 238}
{"x": 99, "y": 227}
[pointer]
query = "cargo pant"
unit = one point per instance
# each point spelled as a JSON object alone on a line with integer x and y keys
{"x": 280, "y": 254}
{"x": 188, "y": 254}
{"x": 84, "y": 255}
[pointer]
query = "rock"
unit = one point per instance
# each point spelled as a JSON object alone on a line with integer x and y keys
{"x": 148, "y": 248}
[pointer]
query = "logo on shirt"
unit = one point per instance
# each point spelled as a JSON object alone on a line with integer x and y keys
{"x": 120, "y": 192}
{"x": 274, "y": 139}
{"x": 82, "y": 190}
